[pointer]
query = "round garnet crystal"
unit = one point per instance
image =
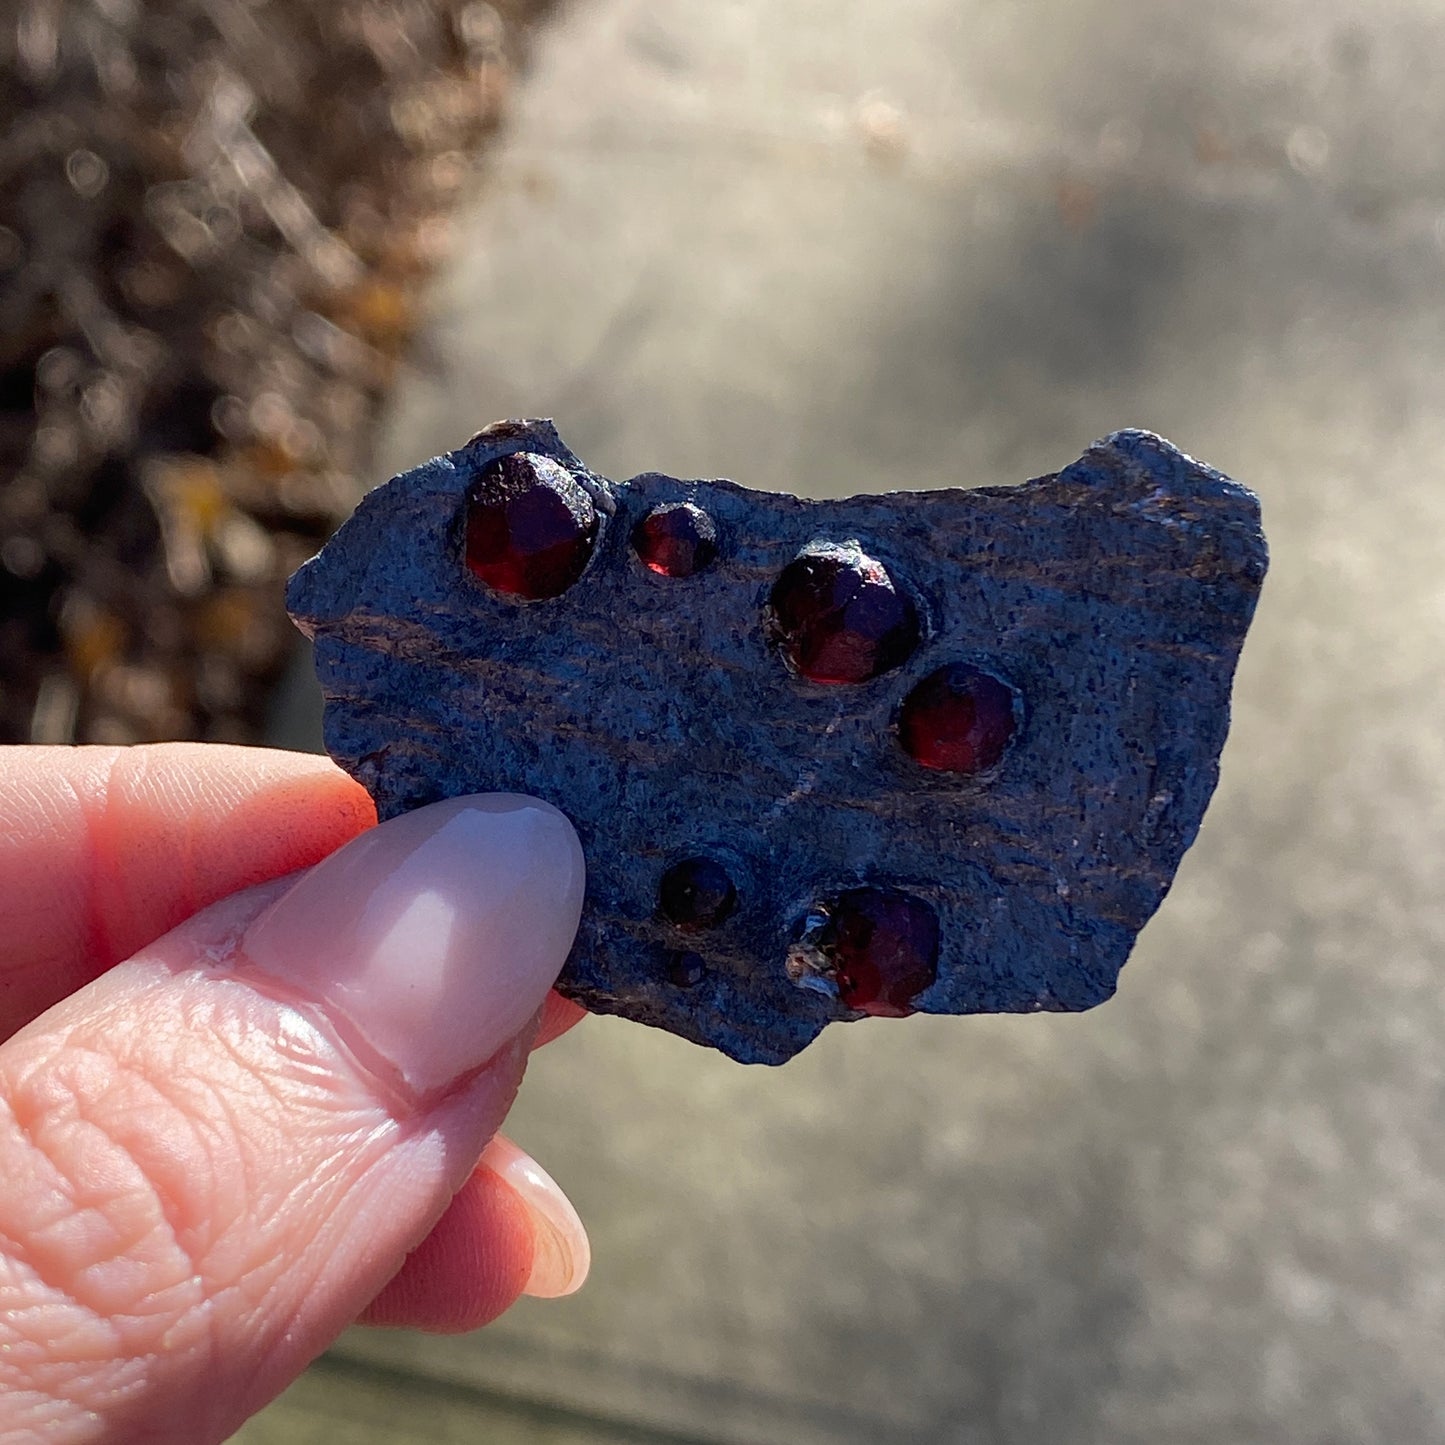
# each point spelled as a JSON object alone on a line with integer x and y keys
{"x": 959, "y": 719}
{"x": 696, "y": 894}
{"x": 837, "y": 616}
{"x": 530, "y": 526}
{"x": 676, "y": 539}
{"x": 874, "y": 949}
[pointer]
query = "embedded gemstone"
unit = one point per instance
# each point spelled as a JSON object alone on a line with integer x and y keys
{"x": 874, "y": 949}
{"x": 837, "y": 616}
{"x": 696, "y": 894}
{"x": 959, "y": 719}
{"x": 530, "y": 526}
{"x": 685, "y": 970}
{"x": 676, "y": 539}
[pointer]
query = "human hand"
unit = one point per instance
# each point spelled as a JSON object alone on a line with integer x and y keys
{"x": 278, "y": 1117}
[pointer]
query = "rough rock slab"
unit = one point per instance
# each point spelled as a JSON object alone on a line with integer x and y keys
{"x": 660, "y": 713}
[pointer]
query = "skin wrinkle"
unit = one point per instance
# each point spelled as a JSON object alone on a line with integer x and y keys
{"x": 195, "y": 1326}
{"x": 97, "y": 933}
{"x": 84, "y": 906}
{"x": 250, "y": 1125}
{"x": 66, "y": 796}
{"x": 216, "y": 1109}
{"x": 271, "y": 1350}
{"x": 173, "y": 1110}
{"x": 95, "y": 1342}
{"x": 211, "y": 1209}
{"x": 389, "y": 1091}
{"x": 183, "y": 1095}
{"x": 148, "y": 785}
{"x": 129, "y": 790}
{"x": 293, "y": 1042}
{"x": 196, "y": 1235}
{"x": 355, "y": 1124}
{"x": 125, "y": 1199}
{"x": 274, "y": 1285}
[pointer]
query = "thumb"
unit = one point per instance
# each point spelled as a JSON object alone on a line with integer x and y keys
{"x": 214, "y": 1157}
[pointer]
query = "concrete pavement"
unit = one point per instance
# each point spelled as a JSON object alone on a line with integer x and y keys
{"x": 850, "y": 246}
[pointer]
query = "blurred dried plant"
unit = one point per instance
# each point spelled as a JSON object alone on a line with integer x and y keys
{"x": 215, "y": 216}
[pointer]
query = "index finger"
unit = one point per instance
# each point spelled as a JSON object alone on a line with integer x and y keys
{"x": 103, "y": 850}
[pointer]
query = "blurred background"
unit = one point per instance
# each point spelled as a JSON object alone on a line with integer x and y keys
{"x": 257, "y": 254}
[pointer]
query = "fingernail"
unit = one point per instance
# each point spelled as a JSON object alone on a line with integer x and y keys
{"x": 435, "y": 936}
{"x": 561, "y": 1252}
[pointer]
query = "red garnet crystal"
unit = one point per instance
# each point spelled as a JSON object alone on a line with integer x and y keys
{"x": 958, "y": 719}
{"x": 530, "y": 526}
{"x": 676, "y": 539}
{"x": 874, "y": 949}
{"x": 837, "y": 616}
{"x": 696, "y": 894}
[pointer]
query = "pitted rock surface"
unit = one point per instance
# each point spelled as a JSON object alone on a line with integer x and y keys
{"x": 662, "y": 713}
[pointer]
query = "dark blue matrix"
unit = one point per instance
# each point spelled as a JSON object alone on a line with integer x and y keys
{"x": 661, "y": 713}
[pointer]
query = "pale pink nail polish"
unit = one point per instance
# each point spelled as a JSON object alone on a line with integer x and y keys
{"x": 562, "y": 1254}
{"x": 435, "y": 936}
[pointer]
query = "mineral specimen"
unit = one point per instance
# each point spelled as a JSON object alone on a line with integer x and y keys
{"x": 930, "y": 752}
